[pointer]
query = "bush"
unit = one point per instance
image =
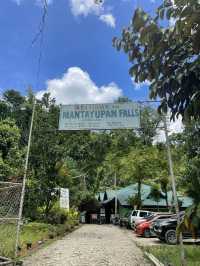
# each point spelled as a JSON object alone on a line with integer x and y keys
{"x": 57, "y": 216}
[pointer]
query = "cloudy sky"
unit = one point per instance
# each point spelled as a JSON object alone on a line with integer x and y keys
{"x": 78, "y": 61}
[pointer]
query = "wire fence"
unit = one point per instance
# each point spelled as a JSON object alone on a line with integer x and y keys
{"x": 10, "y": 194}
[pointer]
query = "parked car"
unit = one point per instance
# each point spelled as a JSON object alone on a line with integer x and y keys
{"x": 153, "y": 215}
{"x": 144, "y": 228}
{"x": 142, "y": 220}
{"x": 137, "y": 215}
{"x": 166, "y": 230}
{"x": 123, "y": 221}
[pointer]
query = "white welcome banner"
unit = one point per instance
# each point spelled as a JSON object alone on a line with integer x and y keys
{"x": 99, "y": 116}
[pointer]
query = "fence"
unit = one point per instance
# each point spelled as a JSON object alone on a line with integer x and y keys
{"x": 10, "y": 194}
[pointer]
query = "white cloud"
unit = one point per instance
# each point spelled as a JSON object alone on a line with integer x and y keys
{"x": 90, "y": 7}
{"x": 76, "y": 86}
{"x": 108, "y": 19}
{"x": 138, "y": 86}
{"x": 172, "y": 126}
{"x": 85, "y": 7}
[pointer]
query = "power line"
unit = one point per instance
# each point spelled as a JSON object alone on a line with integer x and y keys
{"x": 40, "y": 35}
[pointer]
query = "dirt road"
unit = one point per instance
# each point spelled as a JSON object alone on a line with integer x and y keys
{"x": 91, "y": 245}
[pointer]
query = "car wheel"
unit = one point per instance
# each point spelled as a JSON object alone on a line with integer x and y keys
{"x": 170, "y": 237}
{"x": 147, "y": 233}
{"x": 133, "y": 226}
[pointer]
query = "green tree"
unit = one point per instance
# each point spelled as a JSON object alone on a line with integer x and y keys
{"x": 164, "y": 182}
{"x": 155, "y": 193}
{"x": 139, "y": 166}
{"x": 150, "y": 121}
{"x": 10, "y": 153}
{"x": 167, "y": 55}
{"x": 191, "y": 177}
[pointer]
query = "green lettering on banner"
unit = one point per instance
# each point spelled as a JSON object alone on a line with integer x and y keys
{"x": 92, "y": 114}
{"x": 103, "y": 114}
{"x": 77, "y": 114}
{"x": 108, "y": 114}
{"x": 87, "y": 114}
{"x": 65, "y": 115}
{"x": 82, "y": 114}
{"x": 72, "y": 116}
{"x": 97, "y": 114}
{"x": 122, "y": 113}
{"x": 114, "y": 113}
{"x": 131, "y": 113}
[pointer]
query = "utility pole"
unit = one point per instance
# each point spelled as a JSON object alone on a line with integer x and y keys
{"x": 24, "y": 179}
{"x": 83, "y": 181}
{"x": 115, "y": 185}
{"x": 171, "y": 170}
{"x": 85, "y": 186}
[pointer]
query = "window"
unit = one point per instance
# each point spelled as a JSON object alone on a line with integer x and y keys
{"x": 143, "y": 214}
{"x": 134, "y": 213}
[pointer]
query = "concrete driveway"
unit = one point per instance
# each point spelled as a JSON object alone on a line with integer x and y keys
{"x": 91, "y": 245}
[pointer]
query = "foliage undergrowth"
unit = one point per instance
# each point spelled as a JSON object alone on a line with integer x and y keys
{"x": 170, "y": 255}
{"x": 32, "y": 235}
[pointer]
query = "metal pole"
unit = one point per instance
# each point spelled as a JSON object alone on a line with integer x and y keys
{"x": 115, "y": 194}
{"x": 85, "y": 186}
{"x": 24, "y": 180}
{"x": 171, "y": 170}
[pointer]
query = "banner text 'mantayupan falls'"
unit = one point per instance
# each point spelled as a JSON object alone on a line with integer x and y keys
{"x": 99, "y": 116}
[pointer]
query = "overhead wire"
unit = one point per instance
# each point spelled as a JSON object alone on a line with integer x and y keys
{"x": 40, "y": 36}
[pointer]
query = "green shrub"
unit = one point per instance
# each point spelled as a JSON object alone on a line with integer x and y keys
{"x": 57, "y": 215}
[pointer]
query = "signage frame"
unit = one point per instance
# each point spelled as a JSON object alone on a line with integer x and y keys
{"x": 118, "y": 111}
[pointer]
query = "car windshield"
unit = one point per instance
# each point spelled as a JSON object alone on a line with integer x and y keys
{"x": 134, "y": 213}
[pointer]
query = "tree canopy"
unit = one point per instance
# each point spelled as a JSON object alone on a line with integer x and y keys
{"x": 165, "y": 50}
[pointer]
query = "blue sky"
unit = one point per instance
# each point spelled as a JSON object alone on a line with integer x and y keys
{"x": 78, "y": 62}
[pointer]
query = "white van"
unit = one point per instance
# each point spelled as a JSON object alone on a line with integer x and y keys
{"x": 136, "y": 215}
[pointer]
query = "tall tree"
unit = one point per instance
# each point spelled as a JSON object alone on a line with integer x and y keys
{"x": 166, "y": 54}
{"x": 10, "y": 153}
{"x": 140, "y": 165}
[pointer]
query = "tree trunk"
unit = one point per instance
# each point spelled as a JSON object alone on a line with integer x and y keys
{"x": 139, "y": 193}
{"x": 166, "y": 199}
{"x": 48, "y": 206}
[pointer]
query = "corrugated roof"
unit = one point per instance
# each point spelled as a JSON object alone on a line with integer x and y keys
{"x": 125, "y": 193}
{"x": 110, "y": 194}
{"x": 100, "y": 196}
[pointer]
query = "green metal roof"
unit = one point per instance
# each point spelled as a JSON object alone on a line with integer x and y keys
{"x": 186, "y": 201}
{"x": 100, "y": 196}
{"x": 110, "y": 194}
{"x": 125, "y": 193}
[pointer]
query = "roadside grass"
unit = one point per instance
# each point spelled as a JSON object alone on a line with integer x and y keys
{"x": 32, "y": 235}
{"x": 170, "y": 255}
{"x": 7, "y": 239}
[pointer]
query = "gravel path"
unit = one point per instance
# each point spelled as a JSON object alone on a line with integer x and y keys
{"x": 91, "y": 245}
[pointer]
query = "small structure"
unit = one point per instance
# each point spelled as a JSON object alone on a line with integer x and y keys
{"x": 148, "y": 202}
